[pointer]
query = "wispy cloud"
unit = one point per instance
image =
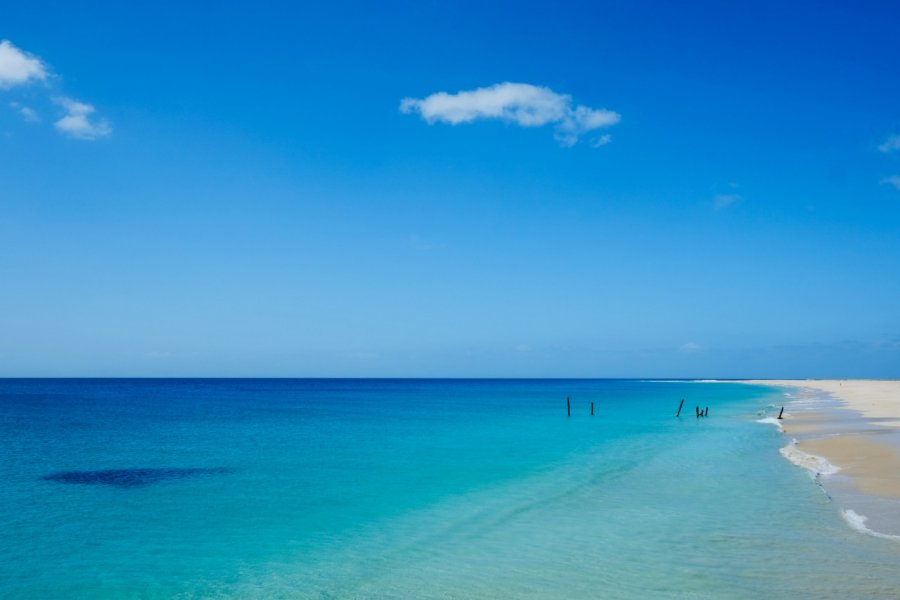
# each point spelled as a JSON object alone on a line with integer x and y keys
{"x": 890, "y": 144}
{"x": 522, "y": 104}
{"x": 893, "y": 180}
{"x": 721, "y": 201}
{"x": 18, "y": 67}
{"x": 690, "y": 348}
{"x": 77, "y": 119}
{"x": 26, "y": 112}
{"x": 77, "y": 122}
{"x": 601, "y": 141}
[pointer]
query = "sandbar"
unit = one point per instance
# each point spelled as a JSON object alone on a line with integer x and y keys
{"x": 852, "y": 425}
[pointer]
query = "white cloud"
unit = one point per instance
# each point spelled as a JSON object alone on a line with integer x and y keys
{"x": 18, "y": 67}
{"x": 690, "y": 348}
{"x": 29, "y": 114}
{"x": 890, "y": 144}
{"x": 894, "y": 180}
{"x": 26, "y": 112}
{"x": 601, "y": 141}
{"x": 77, "y": 122}
{"x": 523, "y": 104}
{"x": 725, "y": 200}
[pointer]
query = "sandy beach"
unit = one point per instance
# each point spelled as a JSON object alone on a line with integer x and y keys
{"x": 877, "y": 399}
{"x": 855, "y": 427}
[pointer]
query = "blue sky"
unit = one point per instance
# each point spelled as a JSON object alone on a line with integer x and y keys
{"x": 670, "y": 190}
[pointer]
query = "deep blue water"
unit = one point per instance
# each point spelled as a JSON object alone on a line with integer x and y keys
{"x": 413, "y": 489}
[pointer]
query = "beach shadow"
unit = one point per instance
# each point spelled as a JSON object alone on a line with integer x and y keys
{"x": 130, "y": 478}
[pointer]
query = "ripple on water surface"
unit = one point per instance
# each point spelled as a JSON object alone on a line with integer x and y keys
{"x": 127, "y": 478}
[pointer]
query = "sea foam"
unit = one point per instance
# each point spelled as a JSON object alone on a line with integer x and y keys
{"x": 816, "y": 465}
{"x": 771, "y": 421}
{"x": 858, "y": 522}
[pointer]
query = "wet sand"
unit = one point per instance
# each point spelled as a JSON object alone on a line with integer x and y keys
{"x": 854, "y": 425}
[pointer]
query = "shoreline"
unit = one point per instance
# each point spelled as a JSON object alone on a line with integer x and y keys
{"x": 846, "y": 433}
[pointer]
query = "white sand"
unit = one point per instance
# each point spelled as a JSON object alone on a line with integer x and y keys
{"x": 873, "y": 398}
{"x": 870, "y": 460}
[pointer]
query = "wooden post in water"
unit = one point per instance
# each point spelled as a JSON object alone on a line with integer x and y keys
{"x": 592, "y": 408}
{"x": 568, "y": 407}
{"x": 697, "y": 408}
{"x": 781, "y": 413}
{"x": 706, "y": 412}
{"x": 678, "y": 414}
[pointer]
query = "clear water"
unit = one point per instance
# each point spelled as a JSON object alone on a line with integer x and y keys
{"x": 413, "y": 489}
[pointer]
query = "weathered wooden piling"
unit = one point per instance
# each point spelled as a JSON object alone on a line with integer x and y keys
{"x": 592, "y": 408}
{"x": 781, "y": 412}
{"x": 568, "y": 407}
{"x": 706, "y": 412}
{"x": 697, "y": 408}
{"x": 678, "y": 414}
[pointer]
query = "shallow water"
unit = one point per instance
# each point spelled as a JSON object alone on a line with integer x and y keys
{"x": 815, "y": 415}
{"x": 414, "y": 489}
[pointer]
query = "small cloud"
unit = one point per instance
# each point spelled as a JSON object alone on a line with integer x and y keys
{"x": 77, "y": 122}
{"x": 522, "y": 104}
{"x": 27, "y": 113}
{"x": 725, "y": 200}
{"x": 893, "y": 180}
{"x": 601, "y": 141}
{"x": 523, "y": 348}
{"x": 18, "y": 67}
{"x": 690, "y": 348}
{"x": 890, "y": 144}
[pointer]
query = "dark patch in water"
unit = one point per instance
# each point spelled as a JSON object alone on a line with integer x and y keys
{"x": 128, "y": 478}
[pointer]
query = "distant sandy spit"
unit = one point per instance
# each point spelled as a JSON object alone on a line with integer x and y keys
{"x": 874, "y": 398}
{"x": 864, "y": 449}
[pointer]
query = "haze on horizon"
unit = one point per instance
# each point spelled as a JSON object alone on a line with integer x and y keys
{"x": 616, "y": 189}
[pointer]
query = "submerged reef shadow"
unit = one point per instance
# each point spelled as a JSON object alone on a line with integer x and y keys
{"x": 130, "y": 478}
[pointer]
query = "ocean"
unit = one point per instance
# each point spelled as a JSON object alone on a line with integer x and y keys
{"x": 415, "y": 489}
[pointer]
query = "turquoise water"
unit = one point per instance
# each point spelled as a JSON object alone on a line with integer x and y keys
{"x": 413, "y": 489}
